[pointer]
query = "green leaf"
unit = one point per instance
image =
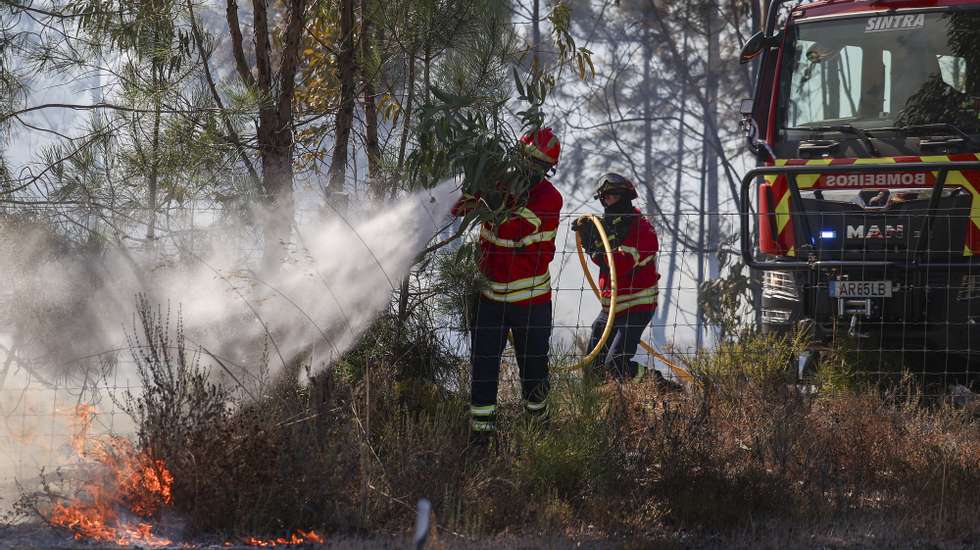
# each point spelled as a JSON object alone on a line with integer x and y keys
{"x": 518, "y": 83}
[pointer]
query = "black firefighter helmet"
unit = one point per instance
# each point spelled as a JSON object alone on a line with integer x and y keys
{"x": 612, "y": 183}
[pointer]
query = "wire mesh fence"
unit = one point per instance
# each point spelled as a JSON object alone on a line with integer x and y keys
{"x": 883, "y": 319}
{"x": 877, "y": 259}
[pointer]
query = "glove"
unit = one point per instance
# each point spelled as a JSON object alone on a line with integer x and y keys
{"x": 581, "y": 224}
{"x": 591, "y": 242}
{"x": 594, "y": 247}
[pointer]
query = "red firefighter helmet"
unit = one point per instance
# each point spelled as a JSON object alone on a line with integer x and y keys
{"x": 542, "y": 145}
{"x": 613, "y": 183}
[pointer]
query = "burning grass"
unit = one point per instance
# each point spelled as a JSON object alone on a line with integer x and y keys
{"x": 351, "y": 450}
{"x": 115, "y": 497}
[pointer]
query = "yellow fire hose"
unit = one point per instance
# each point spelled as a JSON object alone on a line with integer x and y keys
{"x": 587, "y": 360}
{"x": 680, "y": 372}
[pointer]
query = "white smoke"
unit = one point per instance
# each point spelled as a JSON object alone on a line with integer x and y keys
{"x": 332, "y": 285}
{"x": 62, "y": 312}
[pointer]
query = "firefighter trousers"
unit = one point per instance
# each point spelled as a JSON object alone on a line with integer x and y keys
{"x": 530, "y": 325}
{"x": 615, "y": 357}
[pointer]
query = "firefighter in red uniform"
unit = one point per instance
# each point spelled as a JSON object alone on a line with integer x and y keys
{"x": 634, "y": 250}
{"x": 514, "y": 257}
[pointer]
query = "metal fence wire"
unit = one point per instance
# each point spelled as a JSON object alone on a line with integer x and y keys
{"x": 885, "y": 276}
{"x": 879, "y": 259}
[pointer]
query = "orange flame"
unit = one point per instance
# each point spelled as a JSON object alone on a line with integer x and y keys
{"x": 299, "y": 537}
{"x": 81, "y": 421}
{"x": 129, "y": 481}
{"x": 94, "y": 524}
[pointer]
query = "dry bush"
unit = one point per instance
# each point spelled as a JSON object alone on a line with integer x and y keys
{"x": 267, "y": 464}
{"x": 745, "y": 447}
{"x": 348, "y": 450}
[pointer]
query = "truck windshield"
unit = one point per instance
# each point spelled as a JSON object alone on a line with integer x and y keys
{"x": 884, "y": 71}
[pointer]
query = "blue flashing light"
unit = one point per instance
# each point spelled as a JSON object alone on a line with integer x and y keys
{"x": 828, "y": 234}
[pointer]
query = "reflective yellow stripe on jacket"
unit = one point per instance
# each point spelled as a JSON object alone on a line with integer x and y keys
{"x": 488, "y": 235}
{"x": 645, "y": 261}
{"x": 530, "y": 216}
{"x": 646, "y": 296}
{"x": 635, "y": 253}
{"x": 521, "y": 289}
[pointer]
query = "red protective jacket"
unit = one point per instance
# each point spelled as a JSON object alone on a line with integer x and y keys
{"x": 516, "y": 253}
{"x": 636, "y": 268}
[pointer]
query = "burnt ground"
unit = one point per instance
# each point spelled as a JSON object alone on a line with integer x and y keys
{"x": 865, "y": 536}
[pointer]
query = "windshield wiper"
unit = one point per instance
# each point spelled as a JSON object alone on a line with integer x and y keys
{"x": 843, "y": 129}
{"x": 928, "y": 127}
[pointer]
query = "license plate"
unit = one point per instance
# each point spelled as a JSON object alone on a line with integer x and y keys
{"x": 861, "y": 289}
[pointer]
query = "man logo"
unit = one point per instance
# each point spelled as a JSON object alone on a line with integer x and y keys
{"x": 875, "y": 232}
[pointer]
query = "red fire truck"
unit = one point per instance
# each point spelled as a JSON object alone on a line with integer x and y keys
{"x": 864, "y": 215}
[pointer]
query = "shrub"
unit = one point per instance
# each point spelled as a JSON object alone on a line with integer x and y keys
{"x": 343, "y": 450}
{"x": 241, "y": 466}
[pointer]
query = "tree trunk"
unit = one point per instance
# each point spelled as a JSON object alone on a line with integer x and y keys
{"x": 345, "y": 114}
{"x": 152, "y": 187}
{"x": 699, "y": 337}
{"x": 370, "y": 107}
{"x": 277, "y": 183}
{"x": 663, "y": 311}
{"x": 426, "y": 76}
{"x": 407, "y": 124}
{"x": 648, "y": 88}
{"x": 536, "y": 36}
{"x": 711, "y": 125}
{"x": 153, "y": 184}
{"x": 274, "y": 131}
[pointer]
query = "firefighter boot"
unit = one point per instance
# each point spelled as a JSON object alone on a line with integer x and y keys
{"x": 483, "y": 426}
{"x": 627, "y": 371}
{"x": 537, "y": 413}
{"x": 665, "y": 385}
{"x": 482, "y": 441}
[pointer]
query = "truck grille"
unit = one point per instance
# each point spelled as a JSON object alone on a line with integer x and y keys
{"x": 878, "y": 224}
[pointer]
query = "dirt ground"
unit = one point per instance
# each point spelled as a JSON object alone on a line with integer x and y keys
{"x": 864, "y": 537}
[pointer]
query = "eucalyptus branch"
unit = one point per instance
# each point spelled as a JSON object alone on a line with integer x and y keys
{"x": 29, "y": 8}
{"x": 52, "y": 165}
{"x": 107, "y": 106}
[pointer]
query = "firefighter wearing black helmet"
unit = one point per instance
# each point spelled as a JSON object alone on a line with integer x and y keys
{"x": 634, "y": 247}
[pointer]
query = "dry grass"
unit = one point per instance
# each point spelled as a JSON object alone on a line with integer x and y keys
{"x": 345, "y": 452}
{"x": 629, "y": 461}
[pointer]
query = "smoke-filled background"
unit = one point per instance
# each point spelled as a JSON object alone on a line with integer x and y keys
{"x": 267, "y": 195}
{"x": 70, "y": 314}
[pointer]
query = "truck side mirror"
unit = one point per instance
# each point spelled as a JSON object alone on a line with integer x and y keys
{"x": 754, "y": 46}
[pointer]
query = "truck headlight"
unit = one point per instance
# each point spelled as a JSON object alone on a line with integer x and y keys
{"x": 779, "y": 285}
{"x": 776, "y": 316}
